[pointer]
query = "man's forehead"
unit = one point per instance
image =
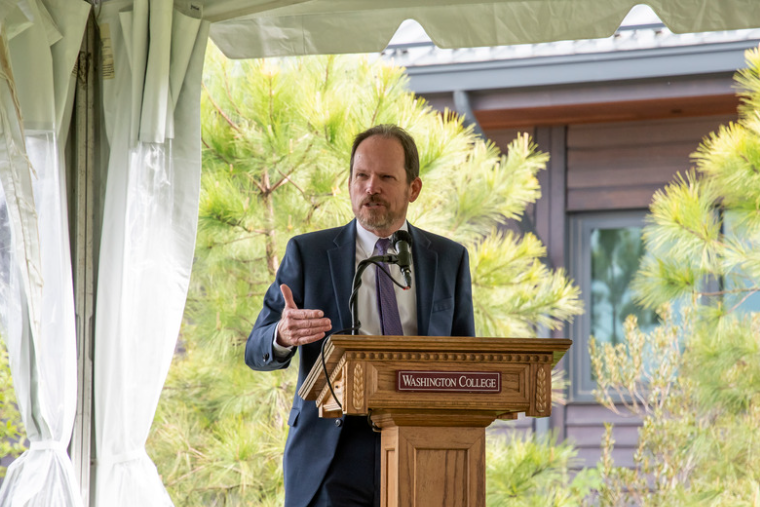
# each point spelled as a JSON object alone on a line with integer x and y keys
{"x": 380, "y": 148}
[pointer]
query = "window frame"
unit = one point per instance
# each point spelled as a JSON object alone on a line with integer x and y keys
{"x": 580, "y": 226}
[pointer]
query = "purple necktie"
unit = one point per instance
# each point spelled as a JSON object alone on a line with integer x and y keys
{"x": 386, "y": 296}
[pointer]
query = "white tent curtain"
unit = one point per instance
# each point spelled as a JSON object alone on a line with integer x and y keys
{"x": 40, "y": 43}
{"x": 153, "y": 59}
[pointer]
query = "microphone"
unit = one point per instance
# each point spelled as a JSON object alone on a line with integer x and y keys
{"x": 402, "y": 241}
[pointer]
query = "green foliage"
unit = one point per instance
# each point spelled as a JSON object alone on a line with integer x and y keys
{"x": 507, "y": 299}
{"x": 695, "y": 380}
{"x": 11, "y": 429}
{"x": 277, "y": 136}
{"x": 527, "y": 472}
{"x": 694, "y": 449}
{"x": 219, "y": 431}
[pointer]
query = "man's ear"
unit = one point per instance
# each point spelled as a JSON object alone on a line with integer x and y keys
{"x": 416, "y": 188}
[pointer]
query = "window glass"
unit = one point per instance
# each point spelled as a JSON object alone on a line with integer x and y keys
{"x": 737, "y": 280}
{"x": 605, "y": 253}
{"x": 615, "y": 255}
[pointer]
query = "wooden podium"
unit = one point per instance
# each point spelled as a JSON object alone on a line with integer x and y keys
{"x": 433, "y": 397}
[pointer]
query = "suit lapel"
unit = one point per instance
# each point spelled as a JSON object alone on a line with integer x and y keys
{"x": 342, "y": 260}
{"x": 425, "y": 266}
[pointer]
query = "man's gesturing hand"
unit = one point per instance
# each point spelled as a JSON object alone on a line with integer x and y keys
{"x": 298, "y": 327}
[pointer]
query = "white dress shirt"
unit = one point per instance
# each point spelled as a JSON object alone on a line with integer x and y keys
{"x": 366, "y": 301}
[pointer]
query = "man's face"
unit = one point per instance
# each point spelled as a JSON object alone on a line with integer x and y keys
{"x": 379, "y": 191}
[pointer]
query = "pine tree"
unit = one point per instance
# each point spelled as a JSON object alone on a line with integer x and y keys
{"x": 11, "y": 428}
{"x": 696, "y": 379}
{"x": 277, "y": 137}
{"x": 523, "y": 472}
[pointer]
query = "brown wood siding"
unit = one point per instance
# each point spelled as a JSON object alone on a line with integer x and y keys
{"x": 595, "y": 102}
{"x": 584, "y": 426}
{"x": 621, "y": 165}
{"x": 550, "y": 223}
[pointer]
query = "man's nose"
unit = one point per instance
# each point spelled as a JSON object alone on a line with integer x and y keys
{"x": 373, "y": 185}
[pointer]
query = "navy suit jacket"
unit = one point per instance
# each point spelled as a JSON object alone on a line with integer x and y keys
{"x": 319, "y": 269}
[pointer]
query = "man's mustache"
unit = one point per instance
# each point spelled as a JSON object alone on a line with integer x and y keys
{"x": 374, "y": 200}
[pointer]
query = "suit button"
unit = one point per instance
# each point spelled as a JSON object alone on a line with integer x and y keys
{"x": 266, "y": 356}
{"x": 338, "y": 422}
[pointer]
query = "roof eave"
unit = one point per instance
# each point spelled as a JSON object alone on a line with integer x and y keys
{"x": 653, "y": 63}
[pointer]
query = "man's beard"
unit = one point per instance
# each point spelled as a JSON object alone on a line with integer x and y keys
{"x": 377, "y": 221}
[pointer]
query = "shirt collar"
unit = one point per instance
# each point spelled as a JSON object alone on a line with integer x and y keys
{"x": 365, "y": 240}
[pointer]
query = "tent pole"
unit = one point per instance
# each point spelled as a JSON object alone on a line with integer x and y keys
{"x": 84, "y": 234}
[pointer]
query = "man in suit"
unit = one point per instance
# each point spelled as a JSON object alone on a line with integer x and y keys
{"x": 336, "y": 462}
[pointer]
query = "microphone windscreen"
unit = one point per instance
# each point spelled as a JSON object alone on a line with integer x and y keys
{"x": 401, "y": 236}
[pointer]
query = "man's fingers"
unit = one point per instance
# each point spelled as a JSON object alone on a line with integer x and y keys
{"x": 297, "y": 326}
{"x": 300, "y": 332}
{"x": 288, "y": 296}
{"x": 303, "y": 314}
{"x": 304, "y": 327}
{"x": 298, "y": 323}
{"x": 308, "y": 339}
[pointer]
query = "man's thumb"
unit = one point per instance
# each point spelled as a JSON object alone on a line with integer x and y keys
{"x": 288, "y": 295}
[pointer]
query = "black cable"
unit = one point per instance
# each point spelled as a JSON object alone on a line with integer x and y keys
{"x": 324, "y": 364}
{"x": 375, "y": 427}
{"x": 377, "y": 260}
{"x": 379, "y": 264}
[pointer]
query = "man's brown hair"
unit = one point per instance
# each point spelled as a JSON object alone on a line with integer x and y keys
{"x": 390, "y": 131}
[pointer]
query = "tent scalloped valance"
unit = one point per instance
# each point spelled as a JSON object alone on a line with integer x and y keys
{"x": 359, "y": 26}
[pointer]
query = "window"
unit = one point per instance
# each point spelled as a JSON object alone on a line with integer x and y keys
{"x": 605, "y": 250}
{"x": 733, "y": 284}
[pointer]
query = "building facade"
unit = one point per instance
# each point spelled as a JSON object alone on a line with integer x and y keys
{"x": 619, "y": 118}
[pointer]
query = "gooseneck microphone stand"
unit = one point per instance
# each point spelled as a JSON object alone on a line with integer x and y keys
{"x": 355, "y": 324}
{"x": 376, "y": 260}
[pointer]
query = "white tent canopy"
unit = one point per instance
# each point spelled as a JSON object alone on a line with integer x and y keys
{"x": 143, "y": 140}
{"x": 291, "y": 27}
